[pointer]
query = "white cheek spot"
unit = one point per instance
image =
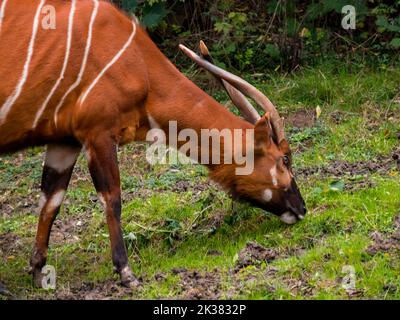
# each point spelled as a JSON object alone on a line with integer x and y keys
{"x": 56, "y": 200}
{"x": 267, "y": 195}
{"x": 274, "y": 176}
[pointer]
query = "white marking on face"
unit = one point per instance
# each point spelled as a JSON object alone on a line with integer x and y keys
{"x": 5, "y": 109}
{"x": 273, "y": 174}
{"x": 2, "y": 11}
{"x": 110, "y": 64}
{"x": 56, "y": 200}
{"x": 84, "y": 61}
{"x": 64, "y": 67}
{"x": 288, "y": 218}
{"x": 267, "y": 195}
{"x": 60, "y": 157}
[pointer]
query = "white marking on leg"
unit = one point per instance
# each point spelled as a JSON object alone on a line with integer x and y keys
{"x": 61, "y": 157}
{"x": 64, "y": 67}
{"x": 274, "y": 176}
{"x": 88, "y": 156}
{"x": 2, "y": 11}
{"x": 267, "y": 195}
{"x": 102, "y": 200}
{"x": 153, "y": 123}
{"x": 5, "y": 109}
{"x": 84, "y": 61}
{"x": 56, "y": 200}
{"x": 109, "y": 65}
{"x": 42, "y": 202}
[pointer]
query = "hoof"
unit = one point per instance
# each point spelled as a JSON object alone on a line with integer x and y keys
{"x": 128, "y": 280}
{"x": 37, "y": 276}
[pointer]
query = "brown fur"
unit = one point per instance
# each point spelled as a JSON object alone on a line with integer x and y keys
{"x": 143, "y": 82}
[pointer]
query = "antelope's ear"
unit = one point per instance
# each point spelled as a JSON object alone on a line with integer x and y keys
{"x": 262, "y": 134}
{"x": 284, "y": 147}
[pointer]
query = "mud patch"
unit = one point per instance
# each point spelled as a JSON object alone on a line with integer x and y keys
{"x": 301, "y": 119}
{"x": 68, "y": 231}
{"x": 386, "y": 242}
{"x": 10, "y": 243}
{"x": 195, "y": 285}
{"x": 341, "y": 168}
{"x": 254, "y": 254}
{"x": 109, "y": 290}
{"x": 4, "y": 292}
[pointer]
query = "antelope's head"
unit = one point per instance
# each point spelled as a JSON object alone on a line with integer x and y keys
{"x": 271, "y": 185}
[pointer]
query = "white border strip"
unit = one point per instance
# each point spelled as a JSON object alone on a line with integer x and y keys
{"x": 2, "y": 11}
{"x": 64, "y": 68}
{"x": 5, "y": 109}
{"x": 110, "y": 64}
{"x": 84, "y": 62}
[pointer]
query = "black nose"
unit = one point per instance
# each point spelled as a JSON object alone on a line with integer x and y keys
{"x": 297, "y": 203}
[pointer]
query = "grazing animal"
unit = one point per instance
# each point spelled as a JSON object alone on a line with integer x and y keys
{"x": 95, "y": 82}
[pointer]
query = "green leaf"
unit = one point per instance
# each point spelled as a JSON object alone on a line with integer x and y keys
{"x": 336, "y": 186}
{"x": 154, "y": 15}
{"x": 272, "y": 50}
{"x": 129, "y": 5}
{"x": 395, "y": 43}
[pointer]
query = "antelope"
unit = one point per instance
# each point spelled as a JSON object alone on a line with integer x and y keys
{"x": 97, "y": 82}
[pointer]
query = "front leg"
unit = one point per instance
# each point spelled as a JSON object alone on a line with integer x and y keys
{"x": 103, "y": 165}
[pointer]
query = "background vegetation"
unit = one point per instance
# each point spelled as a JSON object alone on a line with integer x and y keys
{"x": 188, "y": 239}
{"x": 279, "y": 34}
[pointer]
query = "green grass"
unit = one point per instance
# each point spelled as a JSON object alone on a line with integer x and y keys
{"x": 167, "y": 226}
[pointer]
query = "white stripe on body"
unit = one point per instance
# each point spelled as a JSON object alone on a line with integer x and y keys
{"x": 6, "y": 107}
{"x": 84, "y": 61}
{"x": 2, "y": 12}
{"x": 64, "y": 67}
{"x": 109, "y": 65}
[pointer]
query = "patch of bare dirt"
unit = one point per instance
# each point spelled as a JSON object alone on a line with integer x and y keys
{"x": 68, "y": 230}
{"x": 213, "y": 222}
{"x": 386, "y": 242}
{"x": 197, "y": 285}
{"x": 9, "y": 244}
{"x": 4, "y": 292}
{"x": 109, "y": 290}
{"x": 301, "y": 119}
{"x": 340, "y": 168}
{"x": 254, "y": 254}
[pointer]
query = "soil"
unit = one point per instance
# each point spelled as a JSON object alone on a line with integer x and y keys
{"x": 341, "y": 168}
{"x": 386, "y": 242}
{"x": 9, "y": 244}
{"x": 301, "y": 119}
{"x": 197, "y": 285}
{"x": 108, "y": 290}
{"x": 254, "y": 254}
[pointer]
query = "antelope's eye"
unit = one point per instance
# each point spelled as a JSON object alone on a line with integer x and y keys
{"x": 286, "y": 160}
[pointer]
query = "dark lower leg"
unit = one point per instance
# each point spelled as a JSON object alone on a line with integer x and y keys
{"x": 57, "y": 171}
{"x": 103, "y": 166}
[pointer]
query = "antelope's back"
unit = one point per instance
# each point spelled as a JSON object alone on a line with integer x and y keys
{"x": 50, "y": 51}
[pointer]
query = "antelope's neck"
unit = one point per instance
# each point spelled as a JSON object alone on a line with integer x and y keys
{"x": 175, "y": 102}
